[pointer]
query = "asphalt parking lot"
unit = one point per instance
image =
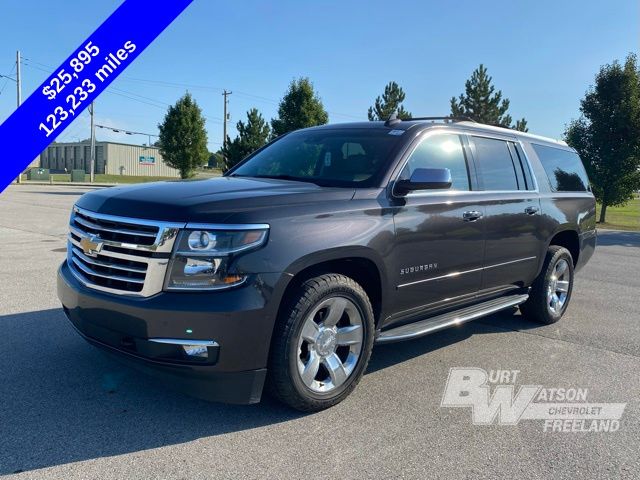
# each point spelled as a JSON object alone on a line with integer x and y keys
{"x": 66, "y": 411}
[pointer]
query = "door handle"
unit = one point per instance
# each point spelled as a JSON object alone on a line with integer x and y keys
{"x": 531, "y": 210}
{"x": 471, "y": 216}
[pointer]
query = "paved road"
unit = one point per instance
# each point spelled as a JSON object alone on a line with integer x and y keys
{"x": 68, "y": 412}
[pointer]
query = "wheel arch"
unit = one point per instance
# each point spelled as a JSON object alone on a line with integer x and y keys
{"x": 569, "y": 239}
{"x": 360, "y": 263}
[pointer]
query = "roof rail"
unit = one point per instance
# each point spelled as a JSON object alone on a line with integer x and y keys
{"x": 446, "y": 119}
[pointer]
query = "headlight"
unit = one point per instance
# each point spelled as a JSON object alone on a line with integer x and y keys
{"x": 202, "y": 257}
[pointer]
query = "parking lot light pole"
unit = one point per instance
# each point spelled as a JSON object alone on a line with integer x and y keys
{"x": 92, "y": 156}
{"x": 18, "y": 95}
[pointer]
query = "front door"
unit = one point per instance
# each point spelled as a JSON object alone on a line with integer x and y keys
{"x": 439, "y": 239}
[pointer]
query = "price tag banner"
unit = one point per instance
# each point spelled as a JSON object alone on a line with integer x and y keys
{"x": 80, "y": 79}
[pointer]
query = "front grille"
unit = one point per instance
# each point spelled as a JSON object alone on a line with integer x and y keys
{"x": 115, "y": 230}
{"x": 119, "y": 255}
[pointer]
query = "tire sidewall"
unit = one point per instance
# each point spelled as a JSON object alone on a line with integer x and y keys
{"x": 560, "y": 254}
{"x": 343, "y": 390}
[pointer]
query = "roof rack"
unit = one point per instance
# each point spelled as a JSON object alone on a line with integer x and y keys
{"x": 393, "y": 119}
{"x": 446, "y": 119}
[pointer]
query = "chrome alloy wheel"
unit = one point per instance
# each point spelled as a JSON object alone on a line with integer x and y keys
{"x": 330, "y": 344}
{"x": 558, "y": 287}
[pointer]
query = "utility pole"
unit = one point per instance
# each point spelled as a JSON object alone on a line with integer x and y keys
{"x": 19, "y": 94}
{"x": 92, "y": 163}
{"x": 225, "y": 94}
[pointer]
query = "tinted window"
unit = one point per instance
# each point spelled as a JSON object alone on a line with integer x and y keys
{"x": 440, "y": 151}
{"x": 337, "y": 157}
{"x": 496, "y": 168}
{"x": 525, "y": 167}
{"x": 564, "y": 169}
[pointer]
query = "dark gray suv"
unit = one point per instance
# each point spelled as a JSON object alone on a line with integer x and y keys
{"x": 285, "y": 272}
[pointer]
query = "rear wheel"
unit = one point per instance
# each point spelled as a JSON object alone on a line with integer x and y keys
{"x": 551, "y": 291}
{"x": 322, "y": 343}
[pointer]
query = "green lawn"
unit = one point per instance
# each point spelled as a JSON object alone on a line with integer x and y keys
{"x": 622, "y": 218}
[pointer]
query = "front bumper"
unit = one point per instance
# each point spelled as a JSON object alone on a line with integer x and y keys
{"x": 240, "y": 321}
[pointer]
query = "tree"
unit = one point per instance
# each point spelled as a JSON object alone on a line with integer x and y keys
{"x": 607, "y": 135}
{"x": 390, "y": 102}
{"x": 215, "y": 159}
{"x": 183, "y": 138}
{"x": 251, "y": 136}
{"x": 483, "y": 104}
{"x": 300, "y": 107}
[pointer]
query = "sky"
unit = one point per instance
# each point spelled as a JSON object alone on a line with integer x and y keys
{"x": 542, "y": 54}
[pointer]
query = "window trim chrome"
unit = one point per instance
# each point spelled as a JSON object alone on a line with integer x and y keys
{"x": 505, "y": 137}
{"x": 418, "y": 141}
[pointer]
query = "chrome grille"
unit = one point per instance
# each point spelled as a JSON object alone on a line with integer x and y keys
{"x": 119, "y": 255}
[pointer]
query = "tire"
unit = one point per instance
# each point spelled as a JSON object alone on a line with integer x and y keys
{"x": 327, "y": 320}
{"x": 551, "y": 291}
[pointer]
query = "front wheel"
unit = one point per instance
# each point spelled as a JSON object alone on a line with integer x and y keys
{"x": 551, "y": 290}
{"x": 322, "y": 343}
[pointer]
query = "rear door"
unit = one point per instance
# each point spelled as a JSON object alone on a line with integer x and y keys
{"x": 438, "y": 247}
{"x": 511, "y": 204}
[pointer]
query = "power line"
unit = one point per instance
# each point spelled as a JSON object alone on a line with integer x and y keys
{"x": 163, "y": 105}
{"x": 132, "y": 95}
{"x": 7, "y": 78}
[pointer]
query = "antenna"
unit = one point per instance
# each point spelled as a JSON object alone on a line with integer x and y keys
{"x": 392, "y": 120}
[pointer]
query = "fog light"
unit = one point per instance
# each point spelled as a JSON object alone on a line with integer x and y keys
{"x": 199, "y": 351}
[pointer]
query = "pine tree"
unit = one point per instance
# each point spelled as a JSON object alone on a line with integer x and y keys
{"x": 251, "y": 136}
{"x": 483, "y": 104}
{"x": 607, "y": 136}
{"x": 390, "y": 102}
{"x": 183, "y": 138}
{"x": 300, "y": 107}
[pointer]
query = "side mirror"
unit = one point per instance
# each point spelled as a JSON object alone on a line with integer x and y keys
{"x": 425, "y": 179}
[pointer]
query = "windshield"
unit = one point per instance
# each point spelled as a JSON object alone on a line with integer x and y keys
{"x": 342, "y": 157}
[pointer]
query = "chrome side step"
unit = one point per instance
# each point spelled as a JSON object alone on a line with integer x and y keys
{"x": 457, "y": 317}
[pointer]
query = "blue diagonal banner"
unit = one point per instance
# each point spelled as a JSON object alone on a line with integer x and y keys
{"x": 80, "y": 79}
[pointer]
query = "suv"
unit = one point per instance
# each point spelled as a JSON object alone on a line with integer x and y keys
{"x": 284, "y": 272}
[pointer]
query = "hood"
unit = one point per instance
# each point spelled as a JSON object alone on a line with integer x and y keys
{"x": 213, "y": 200}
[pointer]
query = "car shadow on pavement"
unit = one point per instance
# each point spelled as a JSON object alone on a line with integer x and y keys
{"x": 609, "y": 238}
{"x": 64, "y": 401}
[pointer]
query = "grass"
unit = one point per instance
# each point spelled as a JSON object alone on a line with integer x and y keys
{"x": 626, "y": 217}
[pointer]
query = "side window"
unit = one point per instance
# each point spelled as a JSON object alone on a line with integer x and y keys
{"x": 497, "y": 170}
{"x": 564, "y": 169}
{"x": 441, "y": 151}
{"x": 525, "y": 167}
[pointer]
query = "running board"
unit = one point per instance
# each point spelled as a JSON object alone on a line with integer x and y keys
{"x": 457, "y": 317}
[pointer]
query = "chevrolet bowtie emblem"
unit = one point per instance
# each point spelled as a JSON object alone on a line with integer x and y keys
{"x": 91, "y": 246}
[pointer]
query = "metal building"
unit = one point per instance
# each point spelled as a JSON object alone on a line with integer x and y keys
{"x": 111, "y": 158}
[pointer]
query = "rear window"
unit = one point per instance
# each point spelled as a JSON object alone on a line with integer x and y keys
{"x": 564, "y": 169}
